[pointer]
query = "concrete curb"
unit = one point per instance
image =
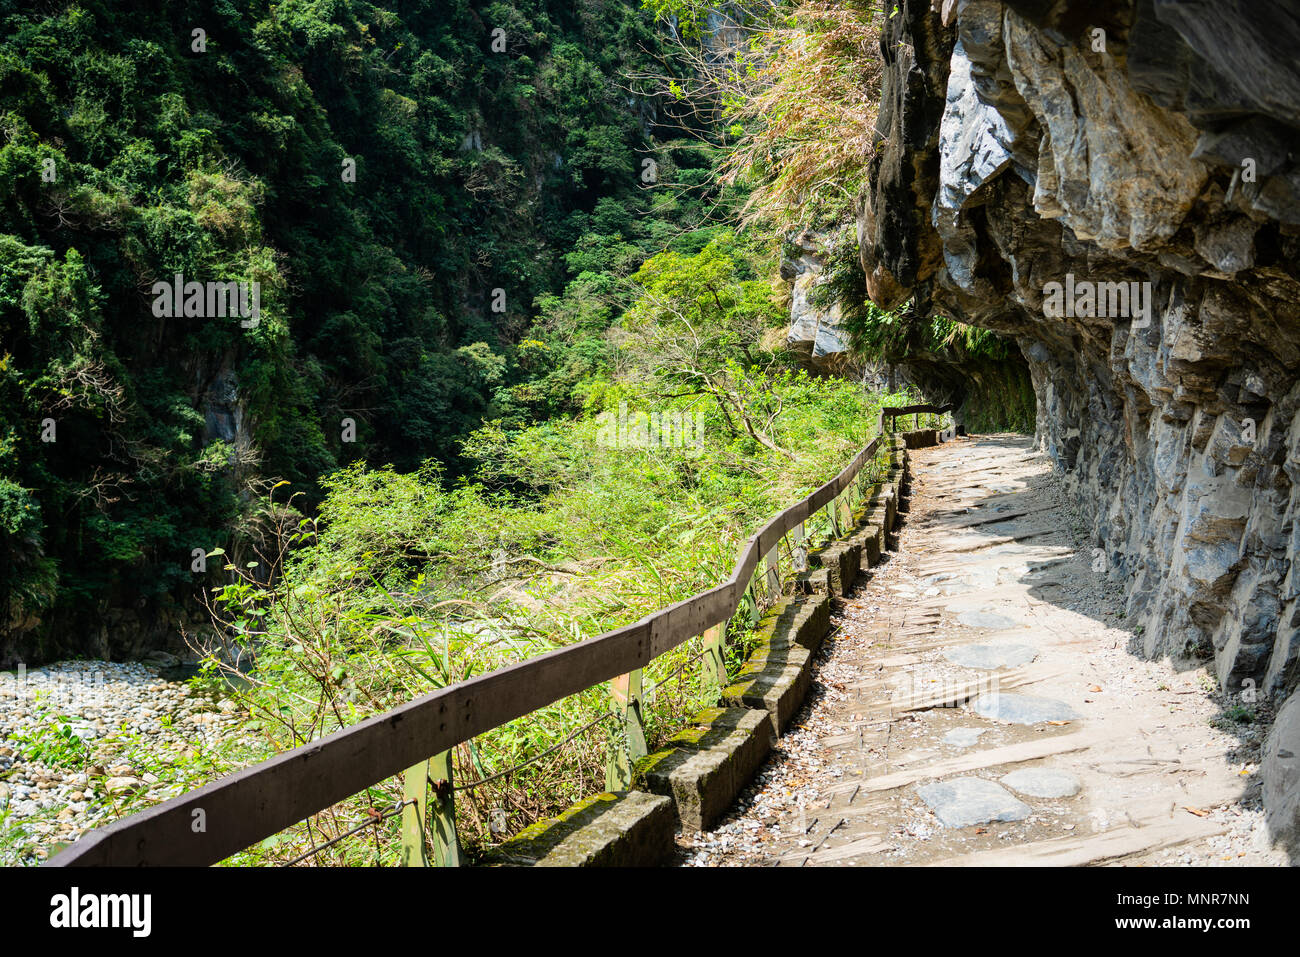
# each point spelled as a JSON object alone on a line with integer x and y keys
{"x": 705, "y": 767}
{"x": 834, "y": 569}
{"x": 774, "y": 679}
{"x": 614, "y": 829}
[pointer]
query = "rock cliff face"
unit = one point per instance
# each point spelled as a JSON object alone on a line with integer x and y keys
{"x": 815, "y": 332}
{"x": 1116, "y": 184}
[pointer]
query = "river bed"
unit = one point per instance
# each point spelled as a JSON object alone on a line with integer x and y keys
{"x": 83, "y": 743}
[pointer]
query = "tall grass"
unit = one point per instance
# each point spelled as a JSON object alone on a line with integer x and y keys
{"x": 401, "y": 584}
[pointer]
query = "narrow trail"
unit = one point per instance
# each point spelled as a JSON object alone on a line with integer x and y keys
{"x": 977, "y": 703}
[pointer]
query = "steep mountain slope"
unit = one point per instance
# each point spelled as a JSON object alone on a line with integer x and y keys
{"x": 401, "y": 180}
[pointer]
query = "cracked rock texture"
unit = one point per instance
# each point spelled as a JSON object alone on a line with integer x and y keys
{"x": 815, "y": 332}
{"x": 1156, "y": 142}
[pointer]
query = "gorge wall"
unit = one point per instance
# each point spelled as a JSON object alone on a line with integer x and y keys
{"x": 1154, "y": 143}
{"x": 816, "y": 334}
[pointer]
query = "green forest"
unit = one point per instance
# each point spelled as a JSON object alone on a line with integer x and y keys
{"x": 432, "y": 224}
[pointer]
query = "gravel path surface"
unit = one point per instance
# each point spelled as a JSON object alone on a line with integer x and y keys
{"x": 1154, "y": 764}
{"x": 83, "y": 743}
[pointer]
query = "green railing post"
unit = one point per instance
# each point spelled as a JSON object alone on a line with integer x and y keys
{"x": 751, "y": 600}
{"x": 437, "y": 808}
{"x": 415, "y": 788}
{"x": 715, "y": 661}
{"x": 446, "y": 846}
{"x": 629, "y": 746}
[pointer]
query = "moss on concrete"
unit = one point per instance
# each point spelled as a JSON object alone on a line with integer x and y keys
{"x": 614, "y": 829}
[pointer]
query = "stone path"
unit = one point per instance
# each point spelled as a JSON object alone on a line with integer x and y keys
{"x": 978, "y": 704}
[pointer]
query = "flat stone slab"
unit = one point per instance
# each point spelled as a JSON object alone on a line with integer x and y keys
{"x": 1042, "y": 782}
{"x": 884, "y": 499}
{"x": 1022, "y": 708}
{"x": 814, "y": 581}
{"x": 963, "y": 737}
{"x": 963, "y": 802}
{"x": 987, "y": 619}
{"x": 776, "y": 676}
{"x": 614, "y": 829}
{"x": 870, "y": 535}
{"x": 991, "y": 657}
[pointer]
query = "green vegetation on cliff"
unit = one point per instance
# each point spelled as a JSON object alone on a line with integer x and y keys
{"x": 407, "y": 187}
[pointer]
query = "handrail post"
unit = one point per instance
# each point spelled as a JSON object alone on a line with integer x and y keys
{"x": 630, "y": 746}
{"x": 751, "y": 599}
{"x": 832, "y": 512}
{"x": 431, "y": 775}
{"x": 446, "y": 845}
{"x": 715, "y": 661}
{"x": 415, "y": 788}
{"x": 772, "y": 561}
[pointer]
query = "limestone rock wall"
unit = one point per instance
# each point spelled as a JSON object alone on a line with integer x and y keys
{"x": 815, "y": 332}
{"x": 1154, "y": 143}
